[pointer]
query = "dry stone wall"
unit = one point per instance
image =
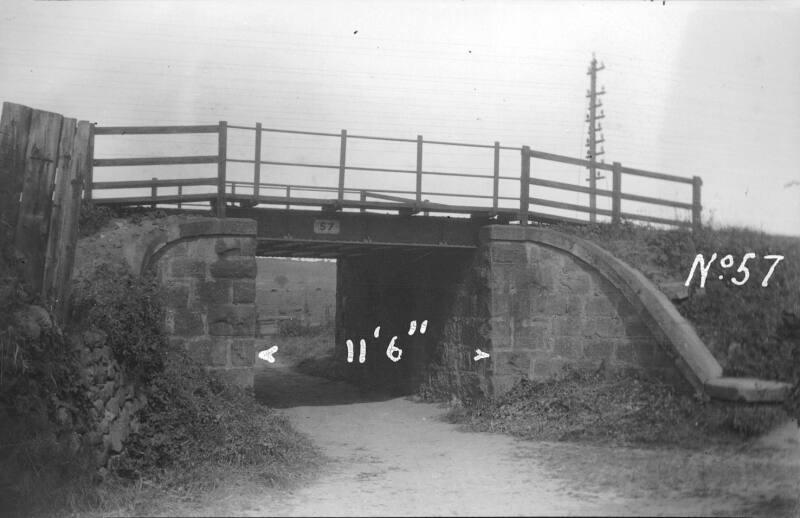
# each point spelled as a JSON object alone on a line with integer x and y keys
{"x": 115, "y": 400}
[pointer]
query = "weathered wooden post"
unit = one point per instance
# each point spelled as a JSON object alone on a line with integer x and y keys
{"x": 419, "y": 168}
{"x": 616, "y": 186}
{"x": 525, "y": 186}
{"x": 153, "y": 192}
{"x": 257, "y": 165}
{"x": 88, "y": 181}
{"x": 697, "y": 208}
{"x": 342, "y": 161}
{"x": 222, "y": 159}
{"x": 496, "y": 180}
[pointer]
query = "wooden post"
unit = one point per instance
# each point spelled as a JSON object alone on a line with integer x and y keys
{"x": 342, "y": 161}
{"x": 525, "y": 186}
{"x": 363, "y": 199}
{"x": 697, "y": 207}
{"x": 59, "y": 207}
{"x": 222, "y": 159}
{"x": 257, "y": 165}
{"x": 14, "y": 128}
{"x": 88, "y": 179}
{"x": 496, "y": 186}
{"x": 616, "y": 187}
{"x": 37, "y": 194}
{"x": 288, "y": 195}
{"x": 180, "y": 195}
{"x": 153, "y": 193}
{"x": 419, "y": 168}
{"x": 67, "y": 230}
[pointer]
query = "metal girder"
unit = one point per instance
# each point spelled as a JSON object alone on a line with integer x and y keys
{"x": 313, "y": 232}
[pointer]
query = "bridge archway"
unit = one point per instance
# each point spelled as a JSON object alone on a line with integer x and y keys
{"x": 534, "y": 299}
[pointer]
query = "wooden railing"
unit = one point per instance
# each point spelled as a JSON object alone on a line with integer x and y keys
{"x": 615, "y": 193}
{"x": 344, "y": 196}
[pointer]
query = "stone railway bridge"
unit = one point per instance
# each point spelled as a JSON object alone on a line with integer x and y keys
{"x": 533, "y": 298}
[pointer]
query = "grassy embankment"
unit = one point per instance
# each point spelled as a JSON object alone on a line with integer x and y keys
{"x": 196, "y": 432}
{"x": 750, "y": 329}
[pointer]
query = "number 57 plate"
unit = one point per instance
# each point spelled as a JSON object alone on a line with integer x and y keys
{"x": 326, "y": 226}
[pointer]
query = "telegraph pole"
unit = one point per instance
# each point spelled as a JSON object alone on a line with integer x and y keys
{"x": 591, "y": 143}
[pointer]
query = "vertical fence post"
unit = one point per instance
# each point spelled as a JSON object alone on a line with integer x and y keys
{"x": 288, "y": 195}
{"x": 180, "y": 195}
{"x": 525, "y": 186}
{"x": 616, "y": 192}
{"x": 342, "y": 162}
{"x": 496, "y": 186}
{"x": 697, "y": 208}
{"x": 363, "y": 199}
{"x": 222, "y": 159}
{"x": 88, "y": 180}
{"x": 419, "y": 168}
{"x": 153, "y": 193}
{"x": 257, "y": 165}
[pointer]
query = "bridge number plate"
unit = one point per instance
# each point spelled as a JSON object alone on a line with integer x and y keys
{"x": 326, "y": 226}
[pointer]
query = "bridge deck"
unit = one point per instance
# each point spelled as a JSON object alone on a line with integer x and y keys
{"x": 296, "y": 233}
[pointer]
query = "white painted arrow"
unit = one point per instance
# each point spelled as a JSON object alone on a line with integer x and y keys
{"x": 481, "y": 355}
{"x": 267, "y": 355}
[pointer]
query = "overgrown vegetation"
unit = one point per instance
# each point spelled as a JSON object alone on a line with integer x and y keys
{"x": 93, "y": 217}
{"x": 39, "y": 372}
{"x": 622, "y": 408}
{"x": 129, "y": 310}
{"x": 194, "y": 428}
{"x": 192, "y": 418}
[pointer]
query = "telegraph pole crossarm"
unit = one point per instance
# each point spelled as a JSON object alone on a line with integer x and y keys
{"x": 591, "y": 143}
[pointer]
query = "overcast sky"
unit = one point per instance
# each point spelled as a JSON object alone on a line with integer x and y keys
{"x": 693, "y": 88}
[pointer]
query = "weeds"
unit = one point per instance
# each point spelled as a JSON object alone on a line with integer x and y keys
{"x": 129, "y": 310}
{"x": 619, "y": 407}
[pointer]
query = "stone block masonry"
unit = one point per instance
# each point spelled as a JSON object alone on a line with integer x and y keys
{"x": 208, "y": 270}
{"x": 587, "y": 307}
{"x": 551, "y": 309}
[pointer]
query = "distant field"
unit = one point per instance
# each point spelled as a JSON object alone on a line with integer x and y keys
{"x": 298, "y": 289}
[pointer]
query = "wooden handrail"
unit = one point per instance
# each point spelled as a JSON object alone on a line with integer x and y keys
{"x": 154, "y": 130}
{"x": 155, "y": 160}
{"x": 134, "y": 184}
{"x": 525, "y": 200}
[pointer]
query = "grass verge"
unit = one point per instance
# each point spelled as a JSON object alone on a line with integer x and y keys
{"x": 619, "y": 408}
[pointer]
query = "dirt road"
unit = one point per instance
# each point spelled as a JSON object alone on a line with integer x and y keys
{"x": 392, "y": 456}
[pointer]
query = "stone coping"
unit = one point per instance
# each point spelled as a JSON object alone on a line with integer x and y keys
{"x": 750, "y": 390}
{"x": 182, "y": 228}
